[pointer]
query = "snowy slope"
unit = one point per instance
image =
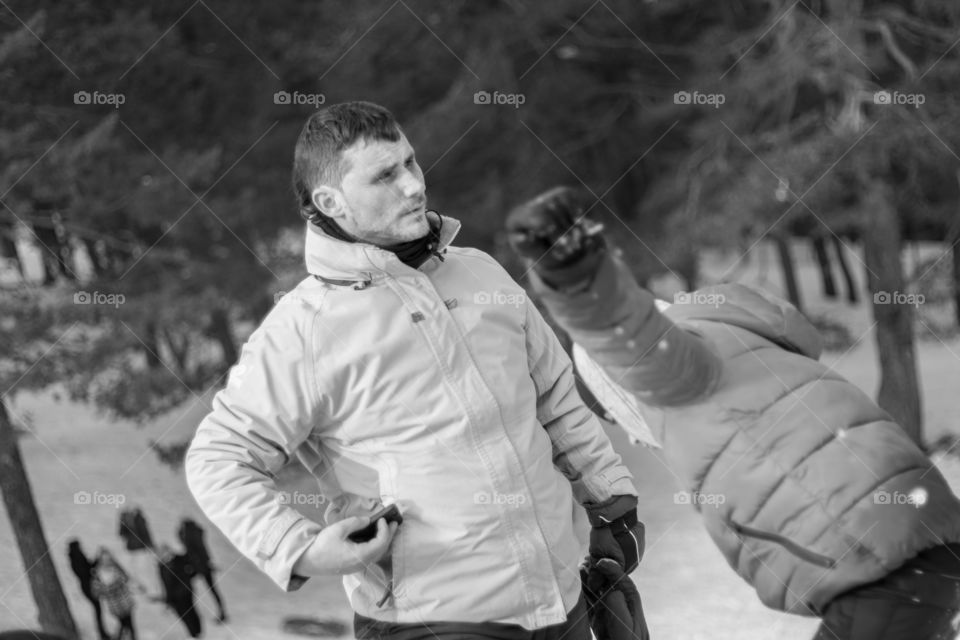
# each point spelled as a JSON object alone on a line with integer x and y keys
{"x": 689, "y": 592}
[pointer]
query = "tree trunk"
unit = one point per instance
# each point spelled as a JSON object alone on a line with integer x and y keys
{"x": 151, "y": 346}
{"x": 853, "y": 295}
{"x": 179, "y": 349}
{"x": 54, "y": 613}
{"x": 219, "y": 329}
{"x": 826, "y": 267}
{"x": 8, "y": 248}
{"x": 55, "y": 253}
{"x": 688, "y": 267}
{"x": 956, "y": 279}
{"x": 96, "y": 258}
{"x": 789, "y": 273}
{"x": 899, "y": 393}
{"x": 953, "y": 238}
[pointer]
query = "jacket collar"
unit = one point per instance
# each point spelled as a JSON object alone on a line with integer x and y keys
{"x": 338, "y": 260}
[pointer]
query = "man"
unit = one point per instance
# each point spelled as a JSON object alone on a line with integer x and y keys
{"x": 829, "y": 509}
{"x": 191, "y": 535}
{"x": 176, "y": 573}
{"x": 407, "y": 371}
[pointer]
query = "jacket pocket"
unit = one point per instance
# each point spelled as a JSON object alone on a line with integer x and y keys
{"x": 801, "y": 552}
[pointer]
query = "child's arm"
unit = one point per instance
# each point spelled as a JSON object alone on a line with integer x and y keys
{"x": 594, "y": 297}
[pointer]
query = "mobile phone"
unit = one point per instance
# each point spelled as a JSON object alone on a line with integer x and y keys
{"x": 391, "y": 513}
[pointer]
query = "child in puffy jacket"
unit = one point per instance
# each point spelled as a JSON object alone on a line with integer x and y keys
{"x": 828, "y": 508}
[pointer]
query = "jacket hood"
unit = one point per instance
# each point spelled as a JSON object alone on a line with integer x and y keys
{"x": 335, "y": 259}
{"x": 751, "y": 309}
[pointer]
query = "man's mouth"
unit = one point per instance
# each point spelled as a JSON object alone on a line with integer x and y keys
{"x": 417, "y": 209}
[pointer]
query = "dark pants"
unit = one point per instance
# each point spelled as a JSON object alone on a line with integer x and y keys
{"x": 188, "y": 616}
{"x": 577, "y": 627}
{"x": 207, "y": 575}
{"x": 126, "y": 627}
{"x": 918, "y": 601}
{"x": 97, "y": 612}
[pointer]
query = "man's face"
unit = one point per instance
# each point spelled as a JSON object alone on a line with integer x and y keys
{"x": 383, "y": 194}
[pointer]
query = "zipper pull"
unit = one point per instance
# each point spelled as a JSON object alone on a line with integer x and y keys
{"x": 386, "y": 594}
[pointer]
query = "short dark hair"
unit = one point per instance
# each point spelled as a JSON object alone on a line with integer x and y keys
{"x": 317, "y": 158}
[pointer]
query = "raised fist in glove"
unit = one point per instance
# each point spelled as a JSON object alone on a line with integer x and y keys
{"x": 552, "y": 231}
{"x": 616, "y": 533}
{"x": 613, "y": 602}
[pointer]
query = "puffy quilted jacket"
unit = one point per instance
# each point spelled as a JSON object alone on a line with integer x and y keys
{"x": 803, "y": 482}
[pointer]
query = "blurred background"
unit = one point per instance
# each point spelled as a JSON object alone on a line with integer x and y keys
{"x": 147, "y": 225}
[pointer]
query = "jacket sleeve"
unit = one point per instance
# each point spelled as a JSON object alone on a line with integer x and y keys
{"x": 619, "y": 325}
{"x": 267, "y": 409}
{"x": 581, "y": 449}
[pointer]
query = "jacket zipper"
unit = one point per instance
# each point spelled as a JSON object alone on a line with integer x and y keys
{"x": 387, "y": 594}
{"x": 791, "y": 546}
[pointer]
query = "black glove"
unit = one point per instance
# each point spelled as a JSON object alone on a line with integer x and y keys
{"x": 616, "y": 532}
{"x": 613, "y": 602}
{"x": 552, "y": 231}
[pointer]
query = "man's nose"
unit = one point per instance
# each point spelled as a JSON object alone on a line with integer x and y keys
{"x": 412, "y": 184}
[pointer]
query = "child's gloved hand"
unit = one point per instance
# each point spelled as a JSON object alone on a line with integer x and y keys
{"x": 552, "y": 230}
{"x": 613, "y": 602}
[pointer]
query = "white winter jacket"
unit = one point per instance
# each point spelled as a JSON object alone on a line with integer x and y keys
{"x": 440, "y": 389}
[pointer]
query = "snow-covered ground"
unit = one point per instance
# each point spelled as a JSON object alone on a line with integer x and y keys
{"x": 689, "y": 592}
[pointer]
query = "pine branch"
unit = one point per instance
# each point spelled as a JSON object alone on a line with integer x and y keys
{"x": 890, "y": 43}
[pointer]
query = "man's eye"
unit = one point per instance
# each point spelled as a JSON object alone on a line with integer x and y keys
{"x": 410, "y": 161}
{"x": 386, "y": 175}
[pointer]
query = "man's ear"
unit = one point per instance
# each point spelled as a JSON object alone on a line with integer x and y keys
{"x": 328, "y": 200}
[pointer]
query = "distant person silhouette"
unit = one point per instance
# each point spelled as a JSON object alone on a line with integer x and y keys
{"x": 191, "y": 535}
{"x": 176, "y": 574}
{"x": 112, "y": 583}
{"x": 83, "y": 568}
{"x": 134, "y": 530}
{"x": 138, "y": 543}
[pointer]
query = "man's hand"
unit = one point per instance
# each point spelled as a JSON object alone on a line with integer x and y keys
{"x": 613, "y": 602}
{"x": 617, "y": 533}
{"x": 333, "y": 554}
